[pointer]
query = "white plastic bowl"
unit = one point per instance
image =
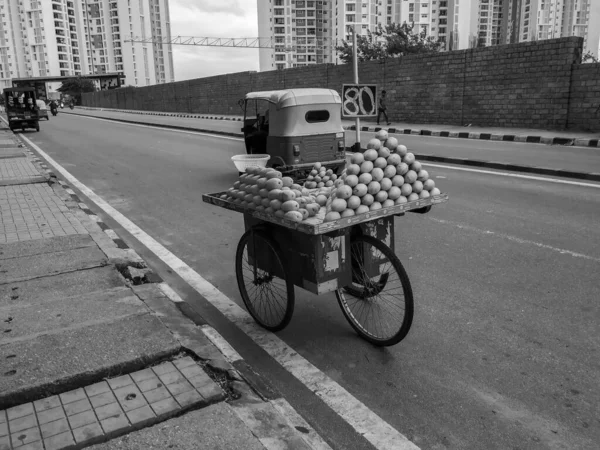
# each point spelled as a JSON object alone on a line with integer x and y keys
{"x": 242, "y": 162}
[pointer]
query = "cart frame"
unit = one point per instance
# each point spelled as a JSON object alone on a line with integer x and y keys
{"x": 353, "y": 257}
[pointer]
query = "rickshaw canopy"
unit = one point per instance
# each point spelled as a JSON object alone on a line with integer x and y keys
{"x": 297, "y": 97}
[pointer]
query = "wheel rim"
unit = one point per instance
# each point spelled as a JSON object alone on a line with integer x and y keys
{"x": 375, "y": 304}
{"x": 266, "y": 295}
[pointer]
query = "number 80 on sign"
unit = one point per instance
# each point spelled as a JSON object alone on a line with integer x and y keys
{"x": 359, "y": 100}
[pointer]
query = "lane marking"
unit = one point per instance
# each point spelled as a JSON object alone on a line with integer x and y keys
{"x": 220, "y": 136}
{"x": 366, "y": 423}
{"x": 230, "y": 354}
{"x": 295, "y": 420}
{"x": 512, "y": 175}
{"x": 518, "y": 240}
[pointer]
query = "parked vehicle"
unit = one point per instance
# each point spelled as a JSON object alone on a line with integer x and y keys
{"x": 42, "y": 109}
{"x": 296, "y": 127}
{"x": 21, "y": 108}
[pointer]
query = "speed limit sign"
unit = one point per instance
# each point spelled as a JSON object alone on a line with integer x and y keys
{"x": 359, "y": 100}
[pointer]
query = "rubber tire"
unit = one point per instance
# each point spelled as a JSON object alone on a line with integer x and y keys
{"x": 291, "y": 299}
{"x": 406, "y": 287}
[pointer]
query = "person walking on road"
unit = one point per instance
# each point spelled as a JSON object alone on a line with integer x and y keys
{"x": 382, "y": 108}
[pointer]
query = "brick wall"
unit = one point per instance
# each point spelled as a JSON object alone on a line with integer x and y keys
{"x": 584, "y": 104}
{"x": 524, "y": 85}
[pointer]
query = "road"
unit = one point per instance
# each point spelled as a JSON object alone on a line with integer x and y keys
{"x": 579, "y": 159}
{"x": 503, "y": 352}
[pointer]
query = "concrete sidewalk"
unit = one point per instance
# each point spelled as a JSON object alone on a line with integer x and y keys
{"x": 573, "y": 161}
{"x": 94, "y": 348}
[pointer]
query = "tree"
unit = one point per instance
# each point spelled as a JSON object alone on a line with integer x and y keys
{"x": 77, "y": 86}
{"x": 390, "y": 42}
{"x": 589, "y": 58}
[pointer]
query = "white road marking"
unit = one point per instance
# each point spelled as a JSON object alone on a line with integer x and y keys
{"x": 516, "y": 239}
{"x": 214, "y": 135}
{"x": 230, "y": 354}
{"x": 513, "y": 175}
{"x": 311, "y": 437}
{"x": 366, "y": 423}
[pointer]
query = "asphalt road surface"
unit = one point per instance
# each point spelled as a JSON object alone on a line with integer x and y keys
{"x": 504, "y": 348}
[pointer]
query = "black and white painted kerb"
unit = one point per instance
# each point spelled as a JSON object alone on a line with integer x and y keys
{"x": 557, "y": 140}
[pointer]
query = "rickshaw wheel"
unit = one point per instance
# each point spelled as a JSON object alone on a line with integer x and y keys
{"x": 379, "y": 308}
{"x": 268, "y": 298}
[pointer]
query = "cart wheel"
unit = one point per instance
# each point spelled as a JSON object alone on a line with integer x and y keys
{"x": 268, "y": 298}
{"x": 379, "y": 308}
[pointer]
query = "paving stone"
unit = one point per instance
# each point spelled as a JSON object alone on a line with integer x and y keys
{"x": 54, "y": 428}
{"x": 171, "y": 377}
{"x": 50, "y": 415}
{"x": 20, "y": 411}
{"x": 210, "y": 391}
{"x": 103, "y": 399}
{"x": 3, "y": 429}
{"x": 78, "y": 407}
{"x": 5, "y": 443}
{"x": 141, "y": 417}
{"x": 200, "y": 380}
{"x": 60, "y": 441}
{"x": 89, "y": 433}
{"x": 107, "y": 411}
{"x": 130, "y": 398}
{"x": 116, "y": 383}
{"x": 72, "y": 396}
{"x": 3, "y": 418}
{"x": 189, "y": 398}
{"x": 47, "y": 403}
{"x": 22, "y": 423}
{"x": 37, "y": 445}
{"x": 97, "y": 389}
{"x": 184, "y": 362}
{"x": 26, "y": 436}
{"x": 142, "y": 375}
{"x": 149, "y": 384}
{"x": 165, "y": 408}
{"x": 82, "y": 419}
{"x": 163, "y": 368}
{"x": 158, "y": 394}
{"x": 192, "y": 371}
{"x": 115, "y": 425}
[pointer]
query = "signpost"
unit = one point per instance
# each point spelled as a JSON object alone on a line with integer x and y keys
{"x": 358, "y": 100}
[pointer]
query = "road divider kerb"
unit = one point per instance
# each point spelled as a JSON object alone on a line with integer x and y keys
{"x": 557, "y": 140}
{"x": 590, "y": 176}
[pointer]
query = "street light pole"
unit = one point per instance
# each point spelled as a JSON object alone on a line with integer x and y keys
{"x": 355, "y": 67}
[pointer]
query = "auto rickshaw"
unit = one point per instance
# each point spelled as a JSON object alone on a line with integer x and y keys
{"x": 21, "y": 108}
{"x": 295, "y": 127}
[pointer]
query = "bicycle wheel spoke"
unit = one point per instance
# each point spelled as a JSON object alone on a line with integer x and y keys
{"x": 376, "y": 306}
{"x": 266, "y": 296}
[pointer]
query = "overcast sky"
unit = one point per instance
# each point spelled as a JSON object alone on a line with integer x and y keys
{"x": 213, "y": 18}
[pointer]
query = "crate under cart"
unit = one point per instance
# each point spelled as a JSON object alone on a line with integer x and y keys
{"x": 352, "y": 257}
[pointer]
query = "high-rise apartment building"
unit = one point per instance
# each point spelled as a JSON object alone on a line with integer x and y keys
{"x": 530, "y": 20}
{"x": 42, "y": 38}
{"x": 306, "y": 31}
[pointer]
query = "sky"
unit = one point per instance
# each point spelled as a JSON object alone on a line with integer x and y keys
{"x": 213, "y": 18}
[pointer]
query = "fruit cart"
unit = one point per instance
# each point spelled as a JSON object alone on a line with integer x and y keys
{"x": 353, "y": 257}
